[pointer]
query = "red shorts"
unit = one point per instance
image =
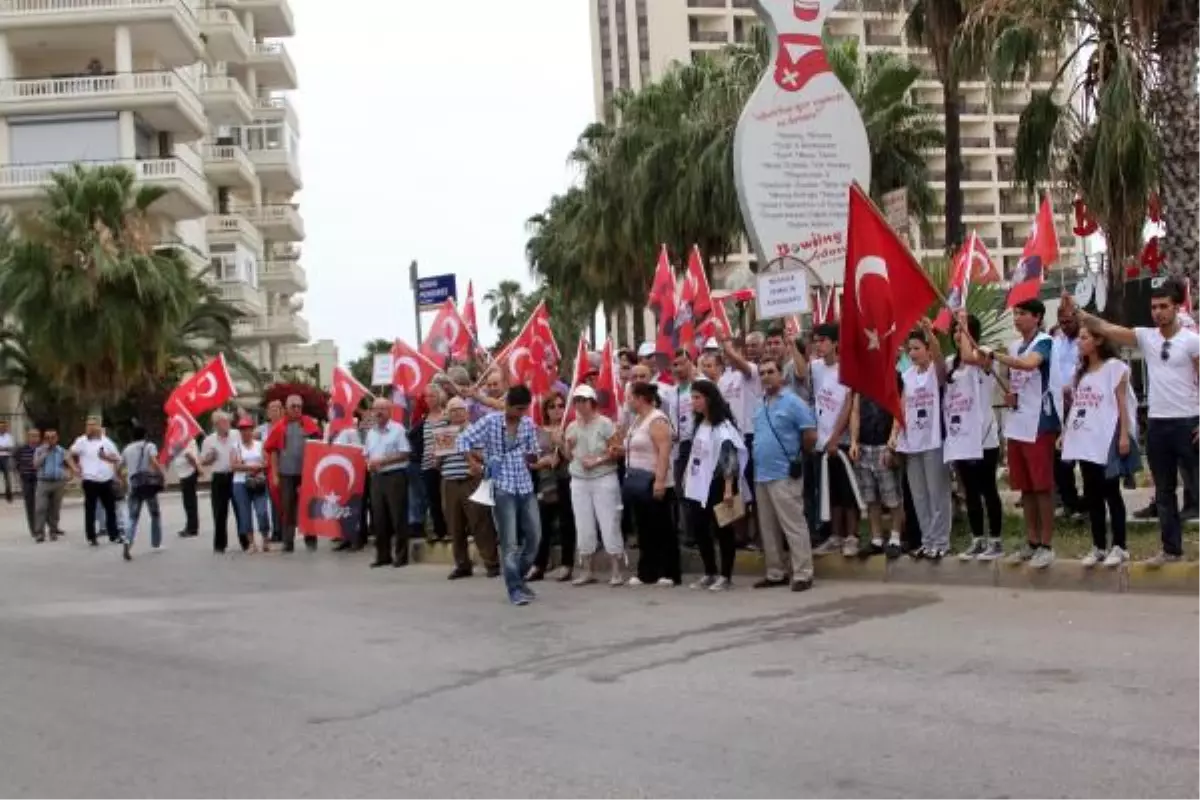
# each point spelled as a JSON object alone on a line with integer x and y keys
{"x": 1031, "y": 464}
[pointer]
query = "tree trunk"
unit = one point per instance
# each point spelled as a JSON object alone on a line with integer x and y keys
{"x": 639, "y": 324}
{"x": 954, "y": 166}
{"x": 1179, "y": 121}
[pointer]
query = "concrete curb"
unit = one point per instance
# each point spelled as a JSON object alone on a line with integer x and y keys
{"x": 1065, "y": 575}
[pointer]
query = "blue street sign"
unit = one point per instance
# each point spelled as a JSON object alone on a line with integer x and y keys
{"x": 435, "y": 290}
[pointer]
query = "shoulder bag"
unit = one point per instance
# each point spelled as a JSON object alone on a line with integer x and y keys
{"x": 145, "y": 483}
{"x": 795, "y": 463}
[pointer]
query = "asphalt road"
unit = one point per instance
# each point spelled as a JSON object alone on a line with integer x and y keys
{"x": 184, "y": 674}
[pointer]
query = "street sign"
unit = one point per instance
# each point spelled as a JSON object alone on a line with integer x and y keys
{"x": 381, "y": 370}
{"x": 435, "y": 290}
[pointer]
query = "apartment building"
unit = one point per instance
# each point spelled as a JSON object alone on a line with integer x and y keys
{"x": 635, "y": 41}
{"x": 192, "y": 96}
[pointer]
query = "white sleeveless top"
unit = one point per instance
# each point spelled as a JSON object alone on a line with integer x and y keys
{"x": 251, "y": 455}
{"x": 639, "y": 446}
{"x": 965, "y": 411}
{"x": 1092, "y": 421}
{"x": 922, "y": 429}
{"x": 1021, "y": 423}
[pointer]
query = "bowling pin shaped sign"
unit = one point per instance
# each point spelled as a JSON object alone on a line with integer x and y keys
{"x": 799, "y": 144}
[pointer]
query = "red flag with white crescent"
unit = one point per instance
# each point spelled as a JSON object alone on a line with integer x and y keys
{"x": 582, "y": 368}
{"x": 468, "y": 311}
{"x": 345, "y": 395}
{"x": 448, "y": 337}
{"x": 695, "y": 304}
{"x": 532, "y": 357}
{"x": 610, "y": 393}
{"x": 181, "y": 429}
{"x": 331, "y": 490}
{"x": 208, "y": 388}
{"x": 661, "y": 303}
{"x": 1039, "y": 253}
{"x": 411, "y": 370}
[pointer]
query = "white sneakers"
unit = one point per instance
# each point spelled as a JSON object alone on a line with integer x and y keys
{"x": 1114, "y": 558}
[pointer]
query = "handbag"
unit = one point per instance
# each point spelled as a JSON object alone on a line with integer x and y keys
{"x": 729, "y": 511}
{"x": 144, "y": 483}
{"x": 638, "y": 486}
{"x": 256, "y": 482}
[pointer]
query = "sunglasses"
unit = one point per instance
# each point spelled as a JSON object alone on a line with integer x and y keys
{"x": 1166, "y": 351}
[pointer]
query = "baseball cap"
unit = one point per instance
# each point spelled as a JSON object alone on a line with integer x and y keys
{"x": 712, "y": 344}
{"x": 646, "y": 350}
{"x": 586, "y": 392}
{"x": 456, "y": 403}
{"x": 245, "y": 422}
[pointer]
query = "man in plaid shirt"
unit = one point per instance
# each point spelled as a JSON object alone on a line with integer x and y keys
{"x": 504, "y": 444}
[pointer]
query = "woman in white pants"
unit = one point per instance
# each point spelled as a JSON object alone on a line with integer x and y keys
{"x": 595, "y": 492}
{"x": 920, "y": 439}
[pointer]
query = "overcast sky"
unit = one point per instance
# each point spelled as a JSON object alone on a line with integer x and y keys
{"x": 432, "y": 130}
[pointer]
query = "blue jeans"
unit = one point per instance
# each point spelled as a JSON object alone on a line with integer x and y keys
{"x": 135, "y": 512}
{"x": 519, "y": 528}
{"x": 1170, "y": 451}
{"x": 245, "y": 502}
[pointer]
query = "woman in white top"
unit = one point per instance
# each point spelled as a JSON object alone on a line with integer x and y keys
{"x": 1100, "y": 434}
{"x": 920, "y": 439}
{"x": 250, "y": 488}
{"x": 716, "y": 471}
{"x": 595, "y": 491}
{"x": 972, "y": 444}
{"x": 649, "y": 488}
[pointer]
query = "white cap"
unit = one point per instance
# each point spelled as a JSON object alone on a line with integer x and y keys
{"x": 584, "y": 391}
{"x": 712, "y": 344}
{"x": 647, "y": 350}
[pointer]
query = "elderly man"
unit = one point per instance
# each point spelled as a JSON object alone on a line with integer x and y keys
{"x": 387, "y": 452}
{"x": 215, "y": 455}
{"x": 463, "y": 516}
{"x": 93, "y": 456}
{"x": 285, "y": 453}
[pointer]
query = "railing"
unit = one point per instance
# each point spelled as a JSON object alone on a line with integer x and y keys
{"x": 241, "y": 293}
{"x": 16, "y": 176}
{"x": 976, "y": 141}
{"x": 271, "y": 104}
{"x": 97, "y": 86}
{"x": 979, "y": 208}
{"x": 717, "y": 37}
{"x": 76, "y": 6}
{"x": 284, "y": 270}
{"x": 706, "y": 4}
{"x": 234, "y": 224}
{"x": 277, "y": 215}
{"x": 885, "y": 39}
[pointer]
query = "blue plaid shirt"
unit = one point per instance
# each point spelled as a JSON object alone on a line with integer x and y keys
{"x": 505, "y": 460}
{"x": 54, "y": 465}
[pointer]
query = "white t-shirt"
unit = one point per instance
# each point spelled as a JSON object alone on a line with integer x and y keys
{"x": 139, "y": 457}
{"x": 1093, "y": 419}
{"x": 739, "y": 392}
{"x": 6, "y": 445}
{"x": 180, "y": 464}
{"x": 223, "y": 449}
{"x": 922, "y": 428}
{"x": 1173, "y": 393}
{"x": 251, "y": 455}
{"x": 987, "y": 394}
{"x": 829, "y": 398}
{"x": 966, "y": 412}
{"x": 92, "y": 467}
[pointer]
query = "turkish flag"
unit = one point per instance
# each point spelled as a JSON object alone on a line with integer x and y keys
{"x": 661, "y": 303}
{"x": 695, "y": 304}
{"x": 610, "y": 393}
{"x": 972, "y": 260}
{"x": 344, "y": 397}
{"x": 331, "y": 490}
{"x": 181, "y": 429}
{"x": 411, "y": 370}
{"x": 1040, "y": 251}
{"x": 582, "y": 368}
{"x": 532, "y": 358}
{"x": 449, "y": 337}
{"x": 885, "y": 293}
{"x": 716, "y": 326}
{"x": 208, "y": 388}
{"x": 468, "y": 311}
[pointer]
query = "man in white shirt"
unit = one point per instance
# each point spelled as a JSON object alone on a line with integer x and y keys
{"x": 93, "y": 456}
{"x": 7, "y": 448}
{"x": 1064, "y": 361}
{"x": 186, "y": 467}
{"x": 1172, "y": 356}
{"x": 215, "y": 455}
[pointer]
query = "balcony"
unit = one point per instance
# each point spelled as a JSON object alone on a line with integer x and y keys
{"x": 169, "y": 28}
{"x": 976, "y": 142}
{"x": 709, "y": 37}
{"x": 278, "y": 223}
{"x": 882, "y": 39}
{"x": 242, "y": 296}
{"x": 165, "y": 99}
{"x": 172, "y": 245}
{"x": 281, "y": 329}
{"x": 278, "y": 170}
{"x": 978, "y": 209}
{"x": 977, "y": 176}
{"x": 227, "y": 39}
{"x": 1011, "y": 107}
{"x": 228, "y": 165}
{"x": 226, "y": 102}
{"x": 186, "y": 190}
{"x": 276, "y": 109}
{"x": 973, "y": 109}
{"x": 234, "y": 229}
{"x": 272, "y": 18}
{"x": 706, "y": 4}
{"x": 284, "y": 276}
{"x": 273, "y": 66}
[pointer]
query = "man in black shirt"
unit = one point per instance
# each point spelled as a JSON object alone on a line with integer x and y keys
{"x": 28, "y": 473}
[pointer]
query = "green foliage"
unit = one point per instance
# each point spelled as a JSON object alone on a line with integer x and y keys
{"x": 504, "y": 308}
{"x": 316, "y": 402}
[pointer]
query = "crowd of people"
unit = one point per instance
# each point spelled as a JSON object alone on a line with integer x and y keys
{"x": 753, "y": 444}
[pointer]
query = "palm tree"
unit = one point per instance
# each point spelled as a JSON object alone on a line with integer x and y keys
{"x": 504, "y": 305}
{"x": 1098, "y": 139}
{"x": 95, "y": 312}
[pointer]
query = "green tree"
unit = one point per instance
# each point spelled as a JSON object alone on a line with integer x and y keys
{"x": 504, "y": 306}
{"x": 363, "y": 366}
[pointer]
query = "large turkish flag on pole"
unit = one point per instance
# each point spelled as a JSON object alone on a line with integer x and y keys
{"x": 209, "y": 387}
{"x": 884, "y": 295}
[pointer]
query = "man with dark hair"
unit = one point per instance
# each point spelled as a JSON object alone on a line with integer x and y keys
{"x": 504, "y": 444}
{"x": 28, "y": 474}
{"x": 833, "y": 404}
{"x": 1172, "y": 356}
{"x": 1064, "y": 361}
{"x": 1031, "y": 426}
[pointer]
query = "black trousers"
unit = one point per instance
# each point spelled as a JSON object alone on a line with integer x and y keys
{"x": 979, "y": 486}
{"x": 221, "y": 489}
{"x": 1170, "y": 451}
{"x": 703, "y": 522}
{"x": 1064, "y": 482}
{"x": 1100, "y": 492}
{"x": 5, "y": 467}
{"x": 364, "y": 515}
{"x": 29, "y": 497}
{"x": 658, "y": 539}
{"x": 389, "y": 514}
{"x": 432, "y": 479}
{"x": 191, "y": 510}
{"x": 102, "y": 492}
{"x": 560, "y": 518}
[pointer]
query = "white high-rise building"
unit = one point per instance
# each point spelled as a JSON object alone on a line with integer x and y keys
{"x": 192, "y": 97}
{"x": 635, "y": 41}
